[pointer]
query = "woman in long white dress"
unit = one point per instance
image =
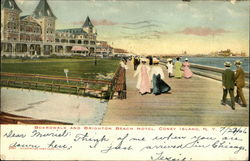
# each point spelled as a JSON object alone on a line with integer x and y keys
{"x": 143, "y": 81}
{"x": 170, "y": 66}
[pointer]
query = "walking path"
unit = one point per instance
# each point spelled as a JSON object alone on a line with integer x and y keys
{"x": 52, "y": 106}
{"x": 193, "y": 102}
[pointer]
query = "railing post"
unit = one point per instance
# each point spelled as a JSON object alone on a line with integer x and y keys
{"x": 114, "y": 82}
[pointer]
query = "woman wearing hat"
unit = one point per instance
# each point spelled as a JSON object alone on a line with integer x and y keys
{"x": 157, "y": 75}
{"x": 143, "y": 82}
{"x": 187, "y": 71}
{"x": 240, "y": 83}
{"x": 121, "y": 82}
{"x": 169, "y": 66}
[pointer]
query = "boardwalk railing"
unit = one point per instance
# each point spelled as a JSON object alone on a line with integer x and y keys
{"x": 209, "y": 68}
{"x": 79, "y": 86}
{"x": 213, "y": 72}
{"x": 114, "y": 82}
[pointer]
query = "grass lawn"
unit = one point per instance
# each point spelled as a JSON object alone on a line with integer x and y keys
{"x": 81, "y": 68}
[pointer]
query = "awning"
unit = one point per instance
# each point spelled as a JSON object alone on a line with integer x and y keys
{"x": 79, "y": 48}
{"x": 101, "y": 50}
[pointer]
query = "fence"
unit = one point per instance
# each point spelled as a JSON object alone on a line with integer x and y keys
{"x": 114, "y": 82}
{"x": 103, "y": 89}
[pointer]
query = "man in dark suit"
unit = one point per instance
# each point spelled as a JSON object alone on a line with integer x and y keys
{"x": 240, "y": 83}
{"x": 228, "y": 80}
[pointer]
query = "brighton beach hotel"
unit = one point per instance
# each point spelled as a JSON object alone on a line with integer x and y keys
{"x": 35, "y": 34}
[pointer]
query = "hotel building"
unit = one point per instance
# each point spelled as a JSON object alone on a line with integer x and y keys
{"x": 36, "y": 34}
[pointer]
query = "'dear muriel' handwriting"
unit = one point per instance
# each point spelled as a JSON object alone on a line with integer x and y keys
{"x": 58, "y": 133}
{"x": 36, "y": 133}
{"x": 12, "y": 134}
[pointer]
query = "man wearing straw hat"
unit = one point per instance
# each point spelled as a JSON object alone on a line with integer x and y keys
{"x": 240, "y": 83}
{"x": 228, "y": 84}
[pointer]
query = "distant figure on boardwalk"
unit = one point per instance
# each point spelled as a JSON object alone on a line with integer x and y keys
{"x": 170, "y": 66}
{"x": 143, "y": 81}
{"x": 228, "y": 78}
{"x": 150, "y": 60}
{"x": 121, "y": 82}
{"x": 177, "y": 68}
{"x": 187, "y": 71}
{"x": 240, "y": 83}
{"x": 157, "y": 76}
{"x": 136, "y": 63}
{"x": 132, "y": 59}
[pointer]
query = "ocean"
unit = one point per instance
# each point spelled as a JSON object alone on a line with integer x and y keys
{"x": 219, "y": 61}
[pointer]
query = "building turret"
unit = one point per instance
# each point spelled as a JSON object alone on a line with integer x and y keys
{"x": 45, "y": 17}
{"x": 10, "y": 22}
{"x": 88, "y": 26}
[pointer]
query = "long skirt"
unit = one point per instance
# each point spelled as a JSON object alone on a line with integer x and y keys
{"x": 187, "y": 72}
{"x": 121, "y": 84}
{"x": 159, "y": 86}
{"x": 145, "y": 82}
{"x": 178, "y": 73}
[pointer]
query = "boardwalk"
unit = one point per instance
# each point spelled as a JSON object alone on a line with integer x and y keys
{"x": 193, "y": 102}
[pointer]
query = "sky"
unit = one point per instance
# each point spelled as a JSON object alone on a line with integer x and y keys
{"x": 158, "y": 27}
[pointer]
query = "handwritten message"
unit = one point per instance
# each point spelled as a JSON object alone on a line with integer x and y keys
{"x": 123, "y": 143}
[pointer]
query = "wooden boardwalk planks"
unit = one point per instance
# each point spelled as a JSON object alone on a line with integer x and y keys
{"x": 194, "y": 101}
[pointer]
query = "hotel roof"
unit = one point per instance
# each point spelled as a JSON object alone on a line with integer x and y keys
{"x": 43, "y": 10}
{"x": 10, "y": 4}
{"x": 88, "y": 23}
